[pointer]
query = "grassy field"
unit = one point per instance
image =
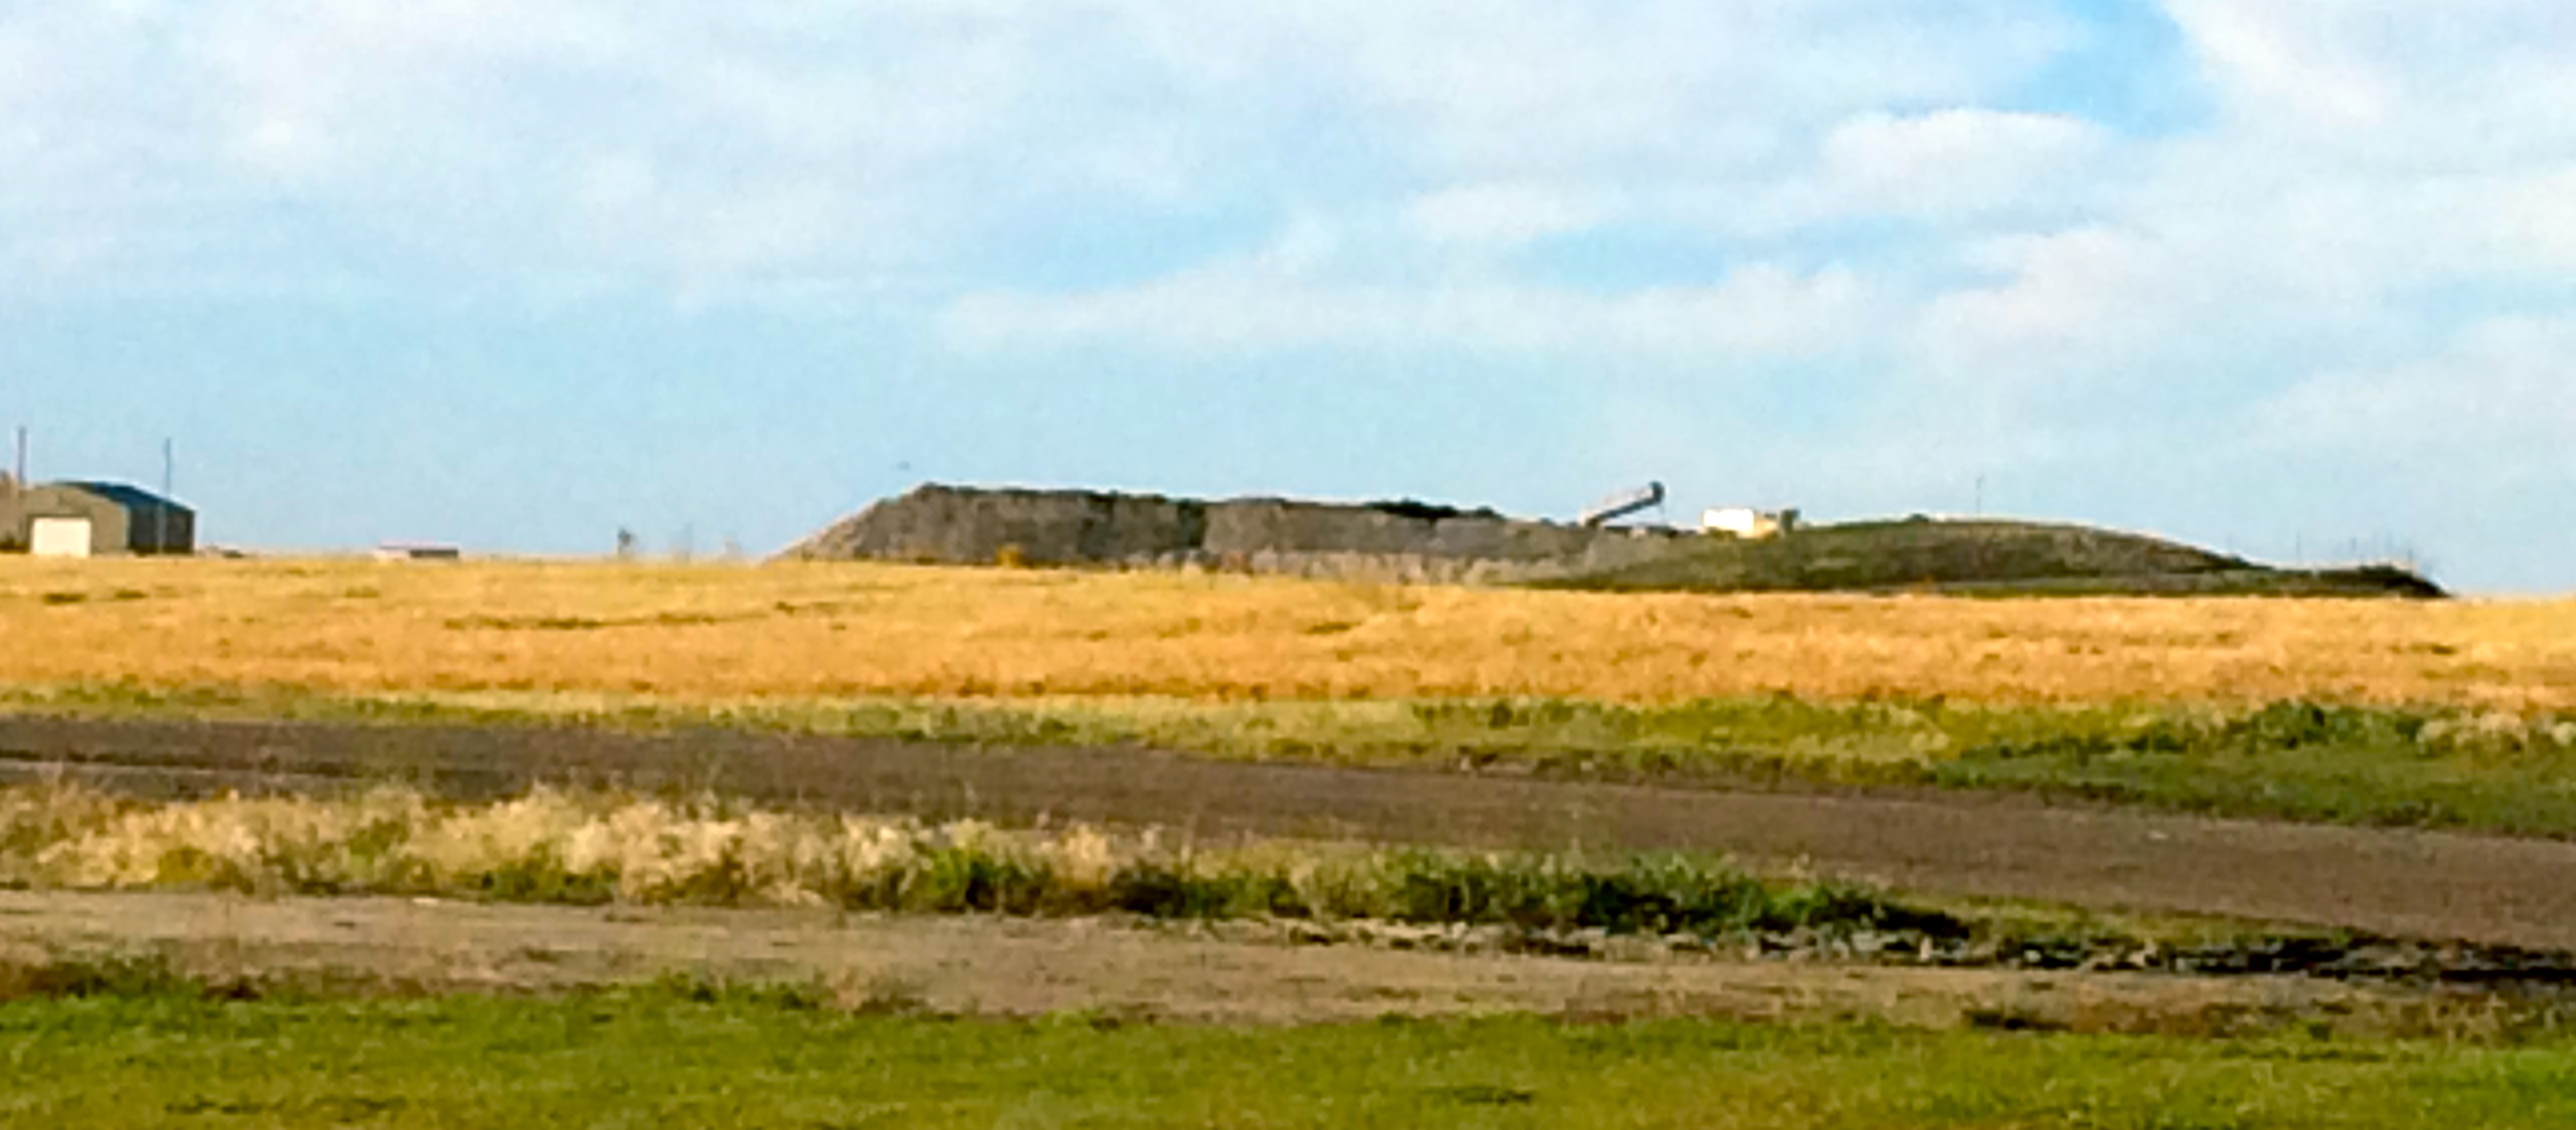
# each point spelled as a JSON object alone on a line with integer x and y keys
{"x": 2374, "y": 712}
{"x": 827, "y": 632}
{"x": 679, "y": 1057}
{"x": 2456, "y": 713}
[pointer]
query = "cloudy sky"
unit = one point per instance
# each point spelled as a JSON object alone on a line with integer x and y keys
{"x": 2292, "y": 277}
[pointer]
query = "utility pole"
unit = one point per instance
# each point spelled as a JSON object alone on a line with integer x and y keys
{"x": 16, "y": 532}
{"x": 169, "y": 488}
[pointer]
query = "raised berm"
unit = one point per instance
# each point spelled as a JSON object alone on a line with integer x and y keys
{"x": 1415, "y": 541}
{"x": 1980, "y": 557}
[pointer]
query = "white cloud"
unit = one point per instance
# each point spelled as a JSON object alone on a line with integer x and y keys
{"x": 2532, "y": 226}
{"x": 1956, "y": 172}
{"x": 2070, "y": 300}
{"x": 2494, "y": 408}
{"x": 1756, "y": 313}
{"x": 2448, "y": 87}
{"x": 1481, "y": 88}
{"x": 586, "y": 135}
{"x": 2269, "y": 56}
{"x": 582, "y": 135}
{"x": 675, "y": 142}
{"x": 2364, "y": 156}
{"x": 1956, "y": 163}
{"x": 2363, "y": 153}
{"x": 1506, "y": 214}
{"x": 1859, "y": 192}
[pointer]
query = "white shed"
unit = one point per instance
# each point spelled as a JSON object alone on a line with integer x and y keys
{"x": 1748, "y": 523}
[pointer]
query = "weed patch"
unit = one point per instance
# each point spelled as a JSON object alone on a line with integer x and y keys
{"x": 591, "y": 849}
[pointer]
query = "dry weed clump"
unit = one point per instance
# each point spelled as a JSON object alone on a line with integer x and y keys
{"x": 2496, "y": 732}
{"x": 821, "y": 632}
{"x": 70, "y": 837}
{"x": 549, "y": 844}
{"x": 545, "y": 845}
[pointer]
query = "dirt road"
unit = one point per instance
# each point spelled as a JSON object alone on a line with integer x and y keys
{"x": 1246, "y": 973}
{"x": 2406, "y": 884}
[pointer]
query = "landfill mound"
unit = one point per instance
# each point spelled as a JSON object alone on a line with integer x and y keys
{"x": 1422, "y": 542}
{"x": 1404, "y": 540}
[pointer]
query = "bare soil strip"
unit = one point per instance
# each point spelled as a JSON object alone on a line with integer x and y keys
{"x": 1022, "y": 968}
{"x": 2433, "y": 886}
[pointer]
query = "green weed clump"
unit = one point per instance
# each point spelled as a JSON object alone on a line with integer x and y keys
{"x": 551, "y": 846}
{"x": 111, "y": 977}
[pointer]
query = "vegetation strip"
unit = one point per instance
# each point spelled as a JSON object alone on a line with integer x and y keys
{"x": 2433, "y": 767}
{"x": 589, "y": 849}
{"x": 692, "y": 1055}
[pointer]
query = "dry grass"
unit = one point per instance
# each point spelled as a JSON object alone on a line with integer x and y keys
{"x": 825, "y": 631}
{"x": 545, "y": 846}
{"x": 549, "y": 846}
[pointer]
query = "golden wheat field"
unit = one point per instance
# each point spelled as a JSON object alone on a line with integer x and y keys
{"x": 827, "y": 631}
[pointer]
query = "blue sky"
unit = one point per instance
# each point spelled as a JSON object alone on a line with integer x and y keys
{"x": 2292, "y": 277}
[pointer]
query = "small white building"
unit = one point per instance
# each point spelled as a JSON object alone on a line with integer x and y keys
{"x": 418, "y": 551}
{"x": 1748, "y": 523}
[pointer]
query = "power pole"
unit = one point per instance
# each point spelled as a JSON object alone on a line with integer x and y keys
{"x": 169, "y": 494}
{"x": 16, "y": 533}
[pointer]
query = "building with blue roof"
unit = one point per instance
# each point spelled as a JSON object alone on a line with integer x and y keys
{"x": 93, "y": 519}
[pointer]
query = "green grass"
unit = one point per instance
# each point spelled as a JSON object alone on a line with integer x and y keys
{"x": 2386, "y": 766}
{"x": 677, "y": 1057}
